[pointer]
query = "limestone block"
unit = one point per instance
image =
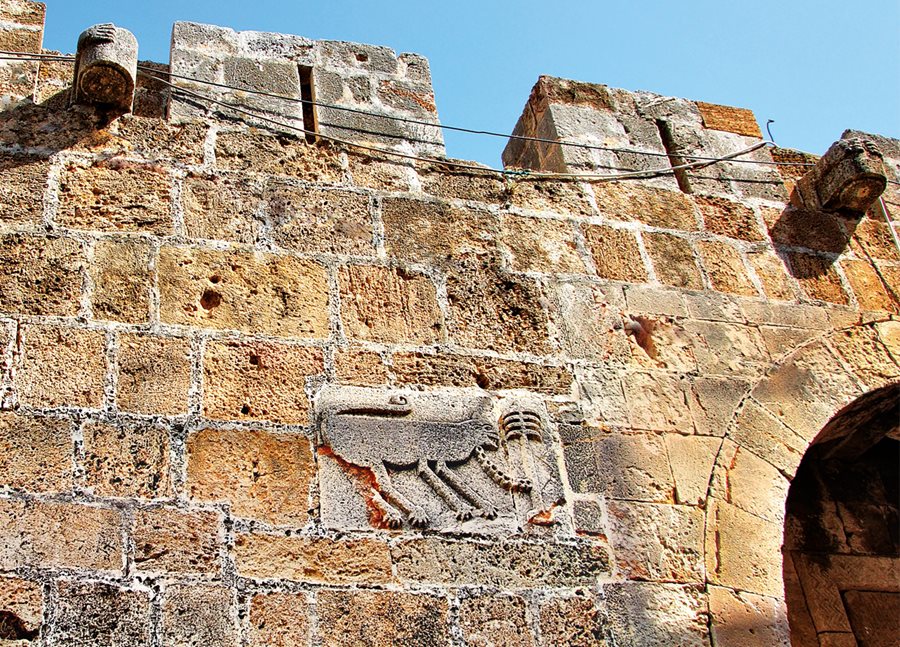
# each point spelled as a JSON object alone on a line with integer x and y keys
{"x": 889, "y": 334}
{"x": 728, "y": 218}
{"x": 40, "y": 275}
{"x": 63, "y": 535}
{"x": 589, "y": 517}
{"x": 743, "y": 551}
{"x": 658, "y": 401}
{"x": 359, "y": 367}
{"x": 61, "y": 367}
{"x": 750, "y": 483}
{"x": 673, "y": 260}
{"x": 168, "y": 540}
{"x": 106, "y": 68}
{"x": 814, "y": 230}
{"x": 389, "y": 305}
{"x": 21, "y": 39}
{"x": 574, "y": 621}
{"x": 589, "y": 321}
{"x": 310, "y": 220}
{"x": 488, "y": 620}
{"x": 603, "y": 396}
{"x": 629, "y": 201}
{"x": 725, "y": 268}
{"x": 559, "y": 197}
{"x": 861, "y": 348}
{"x": 817, "y": 277}
{"x": 867, "y": 285}
{"x": 848, "y": 178}
{"x": 655, "y": 301}
{"x": 873, "y": 238}
{"x": 127, "y": 460}
{"x": 99, "y": 613}
{"x": 35, "y": 453}
{"x": 742, "y": 619}
{"x": 257, "y": 151}
{"x": 503, "y": 564}
{"x": 710, "y": 306}
{"x": 772, "y": 275}
{"x": 646, "y": 614}
{"x": 22, "y": 183}
{"x": 435, "y": 232}
{"x": 541, "y": 245}
{"x": 155, "y": 139}
{"x": 198, "y": 614}
{"x": 248, "y": 291}
{"x": 450, "y": 185}
{"x": 660, "y": 343}
{"x": 713, "y": 402}
{"x": 122, "y": 280}
{"x": 616, "y": 253}
{"x": 222, "y": 208}
{"x": 280, "y": 620}
{"x": 116, "y": 196}
{"x": 381, "y": 175}
{"x": 21, "y": 603}
{"x": 657, "y": 542}
{"x": 736, "y": 120}
{"x": 262, "y": 475}
{"x": 348, "y": 618}
{"x": 23, "y": 12}
{"x": 727, "y": 349}
{"x": 691, "y": 459}
{"x": 795, "y": 315}
{"x": 154, "y": 374}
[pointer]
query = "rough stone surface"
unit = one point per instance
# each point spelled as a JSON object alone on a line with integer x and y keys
{"x": 122, "y": 280}
{"x": 869, "y": 287}
{"x": 22, "y": 183}
{"x": 127, "y": 460}
{"x": 728, "y": 218}
{"x": 262, "y": 475}
{"x": 381, "y": 618}
{"x": 100, "y": 614}
{"x": 541, "y": 245}
{"x": 252, "y": 292}
{"x": 21, "y": 604}
{"x": 656, "y": 207}
{"x": 279, "y": 620}
{"x": 359, "y": 367}
{"x": 713, "y": 402}
{"x": 488, "y": 620}
{"x": 725, "y": 268}
{"x": 389, "y": 305}
{"x": 167, "y": 540}
{"x": 817, "y": 278}
{"x": 485, "y": 372}
{"x": 661, "y": 403}
{"x": 116, "y": 196}
{"x": 196, "y": 615}
{"x": 574, "y": 621}
{"x": 589, "y": 321}
{"x": 40, "y": 275}
{"x": 772, "y": 274}
{"x": 47, "y": 376}
{"x": 66, "y": 535}
{"x": 615, "y": 252}
{"x": 35, "y": 453}
{"x": 673, "y": 260}
{"x": 154, "y": 374}
{"x": 261, "y": 152}
{"x": 691, "y": 459}
{"x": 649, "y": 614}
{"x": 744, "y": 619}
{"x": 222, "y": 207}
{"x": 258, "y": 380}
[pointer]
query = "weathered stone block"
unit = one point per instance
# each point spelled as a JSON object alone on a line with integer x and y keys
{"x": 280, "y": 620}
{"x": 154, "y": 374}
{"x": 95, "y": 613}
{"x": 127, "y": 460}
{"x": 35, "y": 453}
{"x": 657, "y": 301}
{"x": 168, "y": 540}
{"x": 252, "y": 292}
{"x": 589, "y": 518}
{"x": 61, "y": 367}
{"x": 589, "y": 321}
{"x": 21, "y": 40}
{"x": 558, "y": 197}
{"x": 312, "y": 559}
{"x": 258, "y": 151}
{"x": 122, "y": 280}
{"x": 646, "y": 614}
{"x": 660, "y": 343}
{"x": 656, "y": 401}
{"x": 541, "y": 245}
{"x": 311, "y": 220}
{"x": 23, "y": 12}
{"x": 734, "y": 120}
{"x": 154, "y": 138}
{"x": 673, "y": 260}
{"x": 435, "y": 232}
{"x": 488, "y": 620}
{"x": 656, "y": 207}
{"x": 772, "y": 275}
{"x": 727, "y": 349}
{"x": 389, "y": 305}
{"x": 873, "y": 238}
{"x": 23, "y": 180}
{"x": 116, "y": 195}
{"x": 657, "y": 542}
{"x": 222, "y": 208}
{"x": 258, "y": 380}
{"x": 741, "y": 619}
{"x": 810, "y": 229}
{"x": 725, "y": 268}
{"x": 348, "y": 618}
{"x": 381, "y": 175}
{"x": 21, "y": 605}
{"x": 450, "y": 185}
{"x": 869, "y": 288}
{"x": 728, "y": 218}
{"x": 575, "y": 621}
{"x": 496, "y": 310}
{"x": 750, "y": 483}
{"x": 196, "y": 615}
{"x": 40, "y": 275}
{"x": 63, "y": 535}
{"x": 605, "y": 399}
{"x": 262, "y": 475}
{"x": 485, "y": 372}
{"x": 817, "y": 277}
{"x": 691, "y": 459}
{"x": 713, "y": 402}
{"x": 862, "y": 349}
{"x": 501, "y": 564}
{"x": 616, "y": 253}
{"x": 360, "y": 367}
{"x": 760, "y": 432}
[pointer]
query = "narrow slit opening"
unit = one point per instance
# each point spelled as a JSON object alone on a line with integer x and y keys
{"x": 668, "y": 140}
{"x": 308, "y": 94}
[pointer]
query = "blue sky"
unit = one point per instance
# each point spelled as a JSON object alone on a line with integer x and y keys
{"x": 815, "y": 67}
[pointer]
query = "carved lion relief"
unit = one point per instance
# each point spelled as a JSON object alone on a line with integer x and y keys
{"x": 432, "y": 461}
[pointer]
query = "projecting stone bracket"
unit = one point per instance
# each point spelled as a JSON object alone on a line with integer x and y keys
{"x": 847, "y": 180}
{"x": 106, "y": 67}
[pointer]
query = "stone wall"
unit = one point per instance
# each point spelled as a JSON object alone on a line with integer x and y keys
{"x": 189, "y": 305}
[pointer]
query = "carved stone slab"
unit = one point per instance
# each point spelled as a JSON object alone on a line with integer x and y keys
{"x": 450, "y": 461}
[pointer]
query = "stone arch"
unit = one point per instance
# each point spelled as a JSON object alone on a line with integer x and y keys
{"x": 779, "y": 418}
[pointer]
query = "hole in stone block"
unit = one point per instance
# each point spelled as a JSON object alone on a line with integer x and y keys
{"x": 245, "y": 409}
{"x": 308, "y": 94}
{"x": 215, "y": 278}
{"x": 362, "y": 57}
{"x": 254, "y": 360}
{"x": 13, "y": 628}
{"x": 210, "y": 299}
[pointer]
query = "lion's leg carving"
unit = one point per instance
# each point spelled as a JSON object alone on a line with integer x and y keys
{"x": 390, "y": 495}
{"x": 504, "y": 480}
{"x": 463, "y": 511}
{"x": 487, "y": 510}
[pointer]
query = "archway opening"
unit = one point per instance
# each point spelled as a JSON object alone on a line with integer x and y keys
{"x": 842, "y": 530}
